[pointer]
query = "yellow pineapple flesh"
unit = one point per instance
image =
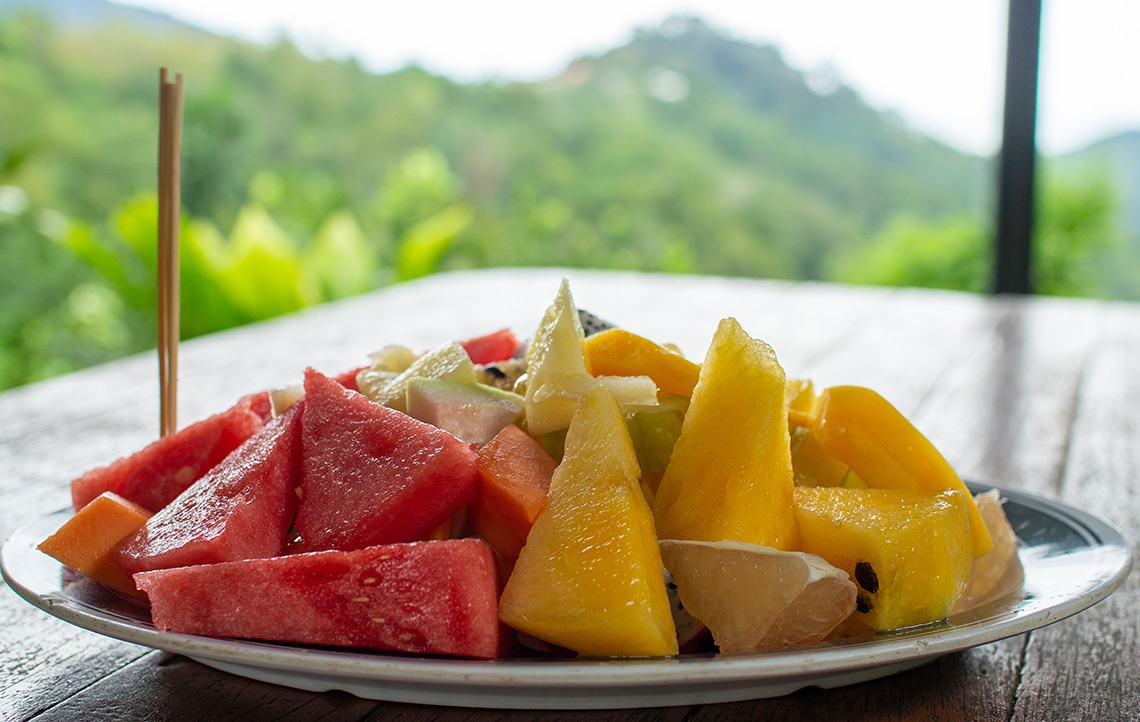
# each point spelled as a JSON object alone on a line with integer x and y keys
{"x": 590, "y": 577}
{"x": 730, "y": 473}
{"x": 909, "y": 551}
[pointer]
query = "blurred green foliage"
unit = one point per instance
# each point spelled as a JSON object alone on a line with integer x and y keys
{"x": 308, "y": 180}
{"x": 1075, "y": 230}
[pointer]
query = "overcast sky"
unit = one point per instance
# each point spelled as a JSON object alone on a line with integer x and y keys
{"x": 937, "y": 65}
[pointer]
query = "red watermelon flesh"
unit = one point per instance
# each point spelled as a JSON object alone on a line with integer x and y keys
{"x": 164, "y": 469}
{"x": 372, "y": 475}
{"x": 240, "y": 510}
{"x": 260, "y": 404}
{"x": 497, "y": 346}
{"x": 435, "y": 597}
{"x": 348, "y": 378}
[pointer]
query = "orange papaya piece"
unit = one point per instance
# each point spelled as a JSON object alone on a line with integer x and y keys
{"x": 514, "y": 476}
{"x": 85, "y": 542}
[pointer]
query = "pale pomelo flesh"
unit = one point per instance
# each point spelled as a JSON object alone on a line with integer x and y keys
{"x": 752, "y": 596}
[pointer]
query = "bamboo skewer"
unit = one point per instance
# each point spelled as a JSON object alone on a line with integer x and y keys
{"x": 169, "y": 218}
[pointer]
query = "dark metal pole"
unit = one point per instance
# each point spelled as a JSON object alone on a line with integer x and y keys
{"x": 1013, "y": 240}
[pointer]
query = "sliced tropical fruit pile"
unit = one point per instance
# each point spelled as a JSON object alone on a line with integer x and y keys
{"x": 590, "y": 491}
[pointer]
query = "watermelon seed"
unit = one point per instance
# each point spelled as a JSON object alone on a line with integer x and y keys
{"x": 360, "y": 599}
{"x": 379, "y": 620}
{"x": 370, "y": 580}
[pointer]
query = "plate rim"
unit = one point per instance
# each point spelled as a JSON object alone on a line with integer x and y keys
{"x": 552, "y": 680}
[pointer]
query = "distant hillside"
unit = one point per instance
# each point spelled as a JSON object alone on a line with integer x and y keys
{"x": 682, "y": 134}
{"x": 87, "y": 13}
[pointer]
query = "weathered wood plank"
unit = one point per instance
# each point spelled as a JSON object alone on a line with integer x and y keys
{"x": 1018, "y": 388}
{"x": 931, "y": 692}
{"x": 1088, "y": 667}
{"x": 44, "y": 660}
{"x": 162, "y": 686}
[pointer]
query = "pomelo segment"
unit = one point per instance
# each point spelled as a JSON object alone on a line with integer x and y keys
{"x": 242, "y": 509}
{"x": 282, "y": 397}
{"x": 372, "y": 475}
{"x": 753, "y": 596}
{"x": 164, "y": 469}
{"x": 434, "y": 597}
{"x": 999, "y": 572}
{"x": 633, "y": 393}
{"x": 590, "y": 576}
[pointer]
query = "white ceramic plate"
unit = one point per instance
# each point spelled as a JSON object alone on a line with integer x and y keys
{"x": 1072, "y": 560}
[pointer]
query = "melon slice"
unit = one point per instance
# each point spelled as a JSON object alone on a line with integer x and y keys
{"x": 240, "y": 510}
{"x": 552, "y": 358}
{"x": 590, "y": 575}
{"x": 471, "y": 412}
{"x": 164, "y": 469}
{"x": 448, "y": 361}
{"x": 372, "y": 475}
{"x": 730, "y": 473}
{"x": 863, "y": 430}
{"x": 909, "y": 551}
{"x": 436, "y": 597}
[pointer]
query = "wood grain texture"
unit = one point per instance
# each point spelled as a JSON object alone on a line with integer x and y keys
{"x": 1088, "y": 667}
{"x": 1032, "y": 394}
{"x": 161, "y": 686}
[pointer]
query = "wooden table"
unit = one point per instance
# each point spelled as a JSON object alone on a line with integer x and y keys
{"x": 1034, "y": 394}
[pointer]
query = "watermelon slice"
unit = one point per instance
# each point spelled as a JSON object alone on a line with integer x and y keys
{"x": 155, "y": 475}
{"x": 241, "y": 510}
{"x": 261, "y": 405}
{"x": 497, "y": 346}
{"x": 348, "y": 378}
{"x": 372, "y": 475}
{"x": 436, "y": 597}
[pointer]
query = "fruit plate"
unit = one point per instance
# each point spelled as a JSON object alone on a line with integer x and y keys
{"x": 1072, "y": 560}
